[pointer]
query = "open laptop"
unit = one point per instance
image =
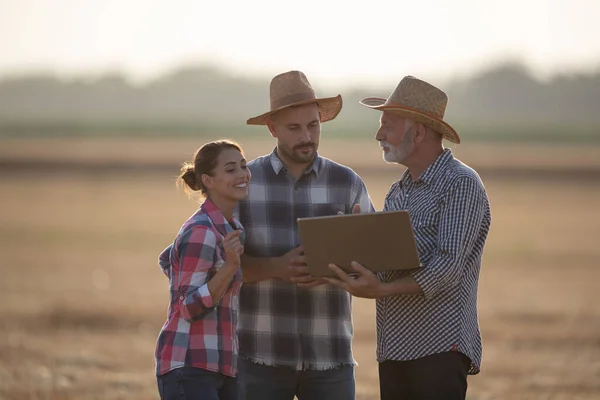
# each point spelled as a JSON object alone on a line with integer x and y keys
{"x": 380, "y": 241}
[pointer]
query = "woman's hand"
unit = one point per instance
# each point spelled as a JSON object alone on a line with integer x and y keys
{"x": 233, "y": 248}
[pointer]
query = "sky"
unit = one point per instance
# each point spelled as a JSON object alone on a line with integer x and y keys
{"x": 333, "y": 42}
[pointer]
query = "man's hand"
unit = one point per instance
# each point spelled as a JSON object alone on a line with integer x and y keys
{"x": 365, "y": 284}
{"x": 285, "y": 263}
{"x": 308, "y": 281}
{"x": 291, "y": 267}
{"x": 303, "y": 278}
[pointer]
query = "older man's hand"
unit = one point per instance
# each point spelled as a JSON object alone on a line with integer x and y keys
{"x": 365, "y": 284}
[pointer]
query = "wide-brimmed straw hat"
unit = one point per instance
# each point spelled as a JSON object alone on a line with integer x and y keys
{"x": 417, "y": 100}
{"x": 293, "y": 89}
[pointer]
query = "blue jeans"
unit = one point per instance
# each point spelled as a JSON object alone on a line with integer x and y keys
{"x": 189, "y": 383}
{"x": 261, "y": 382}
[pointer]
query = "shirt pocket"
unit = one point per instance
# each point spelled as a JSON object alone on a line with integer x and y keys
{"x": 425, "y": 226}
{"x": 425, "y": 221}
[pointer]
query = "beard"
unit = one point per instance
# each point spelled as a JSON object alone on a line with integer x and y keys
{"x": 303, "y": 153}
{"x": 398, "y": 154}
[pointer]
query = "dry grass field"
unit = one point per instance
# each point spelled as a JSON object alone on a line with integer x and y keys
{"x": 82, "y": 300}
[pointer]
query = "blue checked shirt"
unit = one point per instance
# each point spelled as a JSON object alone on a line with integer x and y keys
{"x": 450, "y": 214}
{"x": 279, "y": 323}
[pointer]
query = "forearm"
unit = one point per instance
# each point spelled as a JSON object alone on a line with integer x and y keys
{"x": 256, "y": 269}
{"x": 218, "y": 284}
{"x": 199, "y": 300}
{"x": 405, "y": 285}
{"x": 195, "y": 302}
{"x": 442, "y": 272}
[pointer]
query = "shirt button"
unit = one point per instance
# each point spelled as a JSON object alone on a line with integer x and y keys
{"x": 180, "y": 297}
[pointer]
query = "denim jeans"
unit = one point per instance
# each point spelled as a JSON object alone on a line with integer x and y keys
{"x": 189, "y": 383}
{"x": 261, "y": 382}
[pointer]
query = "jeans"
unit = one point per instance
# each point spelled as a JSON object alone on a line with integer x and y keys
{"x": 440, "y": 376}
{"x": 189, "y": 383}
{"x": 261, "y": 382}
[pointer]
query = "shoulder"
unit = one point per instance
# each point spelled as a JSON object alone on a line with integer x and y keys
{"x": 459, "y": 171}
{"x": 198, "y": 228}
{"x": 338, "y": 172}
{"x": 460, "y": 176}
{"x": 259, "y": 168}
{"x": 259, "y": 162}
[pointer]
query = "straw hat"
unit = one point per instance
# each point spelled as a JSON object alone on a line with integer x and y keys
{"x": 417, "y": 100}
{"x": 293, "y": 89}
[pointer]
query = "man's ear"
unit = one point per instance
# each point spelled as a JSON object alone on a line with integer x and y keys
{"x": 271, "y": 126}
{"x": 420, "y": 132}
{"x": 207, "y": 181}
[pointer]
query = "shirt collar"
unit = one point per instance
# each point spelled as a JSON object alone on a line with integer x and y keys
{"x": 428, "y": 176}
{"x": 217, "y": 218}
{"x": 278, "y": 166}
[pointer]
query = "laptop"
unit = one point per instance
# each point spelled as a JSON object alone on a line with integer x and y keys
{"x": 380, "y": 241}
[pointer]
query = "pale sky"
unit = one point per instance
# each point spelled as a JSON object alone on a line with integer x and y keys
{"x": 333, "y": 42}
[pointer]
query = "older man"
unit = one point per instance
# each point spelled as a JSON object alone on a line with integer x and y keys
{"x": 428, "y": 337}
{"x": 295, "y": 332}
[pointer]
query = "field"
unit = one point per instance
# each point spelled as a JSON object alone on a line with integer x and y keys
{"x": 82, "y": 300}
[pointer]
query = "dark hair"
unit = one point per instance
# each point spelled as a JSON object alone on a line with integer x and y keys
{"x": 205, "y": 161}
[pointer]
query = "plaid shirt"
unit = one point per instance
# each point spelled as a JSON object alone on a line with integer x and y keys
{"x": 198, "y": 332}
{"x": 450, "y": 214}
{"x": 279, "y": 323}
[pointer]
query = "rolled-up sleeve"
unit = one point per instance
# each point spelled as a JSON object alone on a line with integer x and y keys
{"x": 460, "y": 222}
{"x": 164, "y": 260}
{"x": 362, "y": 197}
{"x": 197, "y": 253}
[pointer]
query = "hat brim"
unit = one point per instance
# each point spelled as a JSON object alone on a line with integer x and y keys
{"x": 329, "y": 108}
{"x": 447, "y": 131}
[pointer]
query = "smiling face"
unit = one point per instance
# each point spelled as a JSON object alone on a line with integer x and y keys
{"x": 297, "y": 130}
{"x": 229, "y": 178}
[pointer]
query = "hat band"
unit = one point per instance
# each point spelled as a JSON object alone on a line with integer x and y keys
{"x": 291, "y": 99}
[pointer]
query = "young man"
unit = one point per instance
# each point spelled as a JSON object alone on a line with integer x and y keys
{"x": 428, "y": 337}
{"x": 295, "y": 332}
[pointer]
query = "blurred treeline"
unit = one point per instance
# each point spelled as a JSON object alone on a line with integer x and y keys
{"x": 505, "y": 102}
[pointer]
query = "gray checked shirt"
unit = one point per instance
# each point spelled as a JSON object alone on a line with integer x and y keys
{"x": 450, "y": 214}
{"x": 279, "y": 323}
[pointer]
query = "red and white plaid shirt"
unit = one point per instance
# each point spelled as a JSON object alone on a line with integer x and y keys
{"x": 198, "y": 332}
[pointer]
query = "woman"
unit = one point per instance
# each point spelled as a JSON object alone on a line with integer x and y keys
{"x": 197, "y": 349}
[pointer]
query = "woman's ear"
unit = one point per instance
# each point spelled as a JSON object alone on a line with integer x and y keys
{"x": 207, "y": 180}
